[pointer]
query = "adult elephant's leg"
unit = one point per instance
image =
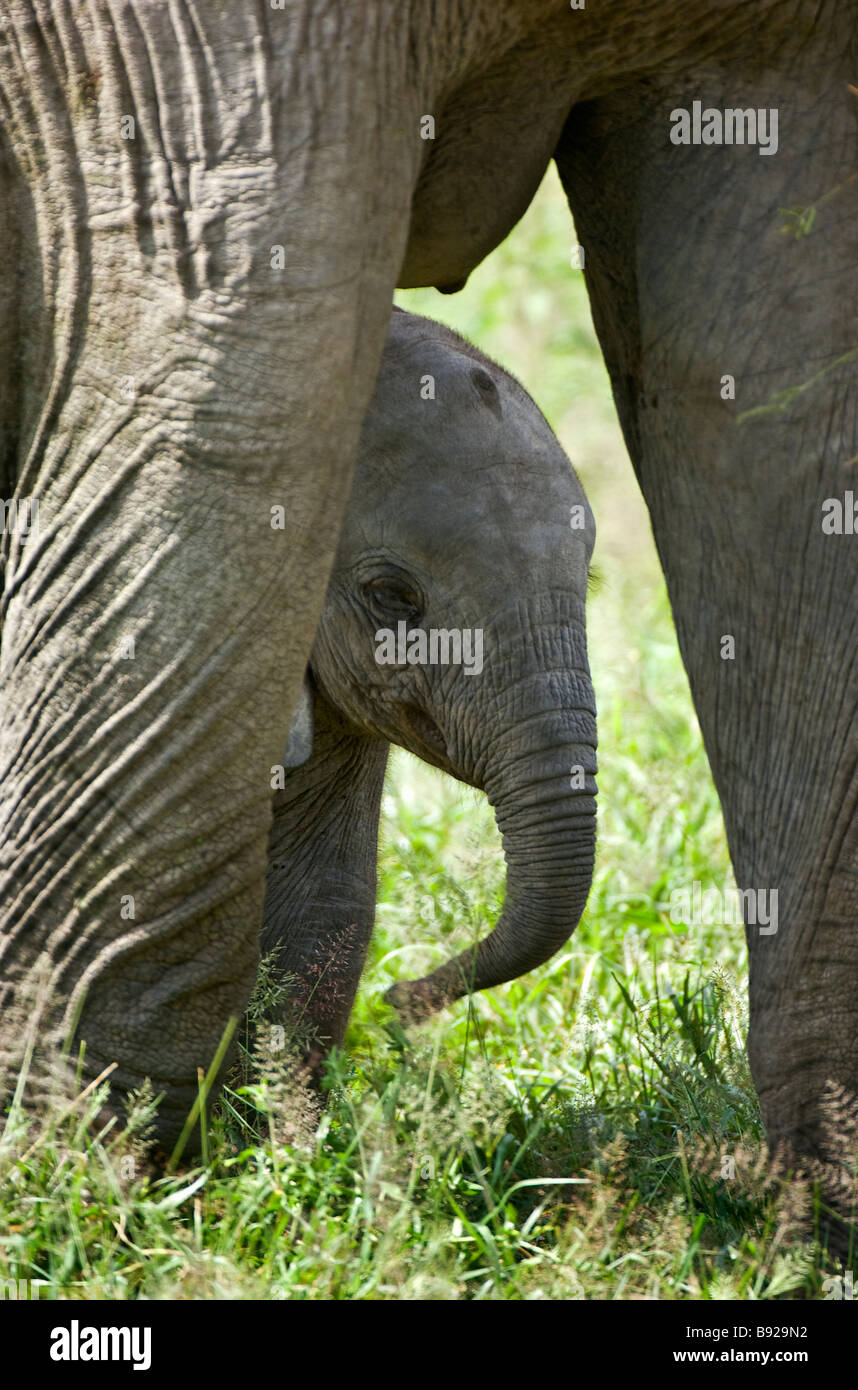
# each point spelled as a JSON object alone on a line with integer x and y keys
{"x": 695, "y": 277}
{"x": 204, "y": 301}
{"x": 321, "y": 889}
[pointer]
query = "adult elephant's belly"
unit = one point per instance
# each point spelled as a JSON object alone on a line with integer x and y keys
{"x": 491, "y": 147}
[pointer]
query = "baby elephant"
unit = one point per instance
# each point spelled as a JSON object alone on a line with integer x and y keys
{"x": 454, "y": 626}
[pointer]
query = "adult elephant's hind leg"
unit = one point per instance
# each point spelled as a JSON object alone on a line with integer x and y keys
{"x": 696, "y": 280}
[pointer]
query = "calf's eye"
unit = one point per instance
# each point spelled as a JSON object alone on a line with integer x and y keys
{"x": 393, "y": 597}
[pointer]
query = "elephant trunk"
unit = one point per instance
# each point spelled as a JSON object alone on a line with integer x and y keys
{"x": 544, "y": 801}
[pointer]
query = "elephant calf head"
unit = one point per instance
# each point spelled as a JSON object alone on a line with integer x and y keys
{"x": 453, "y": 626}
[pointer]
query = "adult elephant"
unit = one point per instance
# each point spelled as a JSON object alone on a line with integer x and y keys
{"x": 204, "y": 213}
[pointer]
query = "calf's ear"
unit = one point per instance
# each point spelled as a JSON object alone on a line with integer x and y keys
{"x": 299, "y": 744}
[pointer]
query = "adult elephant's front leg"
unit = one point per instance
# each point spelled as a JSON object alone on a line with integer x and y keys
{"x": 697, "y": 279}
{"x": 198, "y": 369}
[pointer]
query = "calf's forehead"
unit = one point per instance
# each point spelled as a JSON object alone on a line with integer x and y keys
{"x": 518, "y": 520}
{"x": 445, "y": 423}
{"x": 459, "y": 475}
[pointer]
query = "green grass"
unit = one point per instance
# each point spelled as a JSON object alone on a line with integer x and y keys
{"x": 589, "y": 1131}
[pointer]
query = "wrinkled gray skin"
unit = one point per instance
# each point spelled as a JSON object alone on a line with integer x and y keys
{"x": 151, "y": 258}
{"x": 460, "y": 518}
